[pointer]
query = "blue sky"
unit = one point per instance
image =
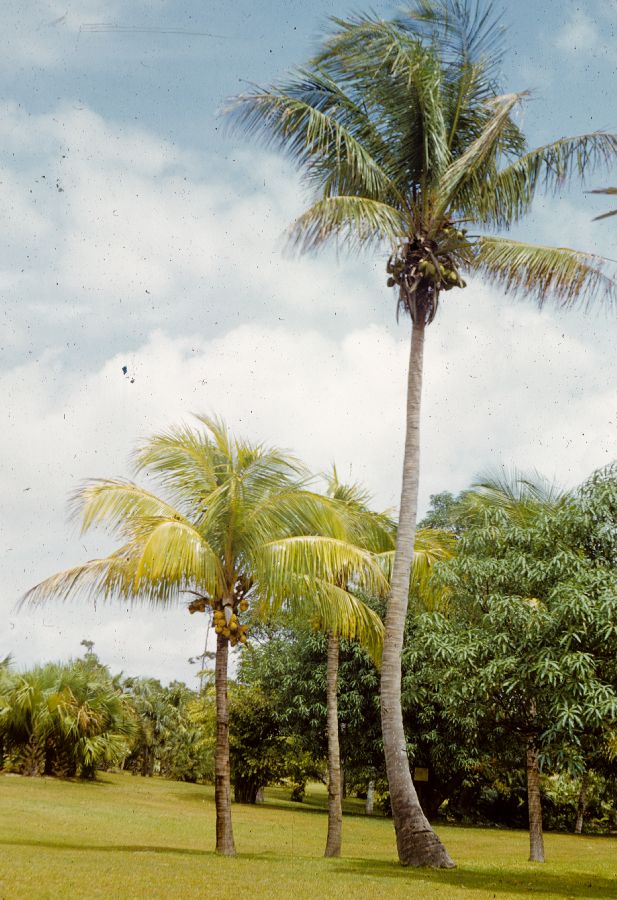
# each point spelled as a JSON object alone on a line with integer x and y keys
{"x": 138, "y": 233}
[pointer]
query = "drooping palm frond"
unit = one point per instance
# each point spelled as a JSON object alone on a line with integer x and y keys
{"x": 316, "y": 557}
{"x": 329, "y": 608}
{"x": 432, "y": 545}
{"x": 544, "y": 273}
{"x": 120, "y": 506}
{"x": 320, "y": 128}
{"x": 509, "y": 194}
{"x": 355, "y": 220}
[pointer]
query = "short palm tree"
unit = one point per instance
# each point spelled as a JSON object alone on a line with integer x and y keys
{"x": 236, "y": 527}
{"x": 407, "y": 142}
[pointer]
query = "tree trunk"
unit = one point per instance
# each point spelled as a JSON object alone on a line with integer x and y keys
{"x": 370, "y": 798}
{"x": 534, "y": 802}
{"x": 582, "y": 804}
{"x": 335, "y": 809}
{"x": 417, "y": 843}
{"x": 222, "y": 784}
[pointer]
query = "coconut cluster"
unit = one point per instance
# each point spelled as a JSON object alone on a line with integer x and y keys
{"x": 429, "y": 260}
{"x": 224, "y": 617}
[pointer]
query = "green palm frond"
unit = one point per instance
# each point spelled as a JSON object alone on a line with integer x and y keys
{"x": 544, "y": 273}
{"x": 326, "y": 559}
{"x": 467, "y": 174}
{"x": 313, "y": 122}
{"x": 508, "y": 195}
{"x": 357, "y": 221}
{"x": 432, "y": 545}
{"x": 175, "y": 553}
{"x": 118, "y": 505}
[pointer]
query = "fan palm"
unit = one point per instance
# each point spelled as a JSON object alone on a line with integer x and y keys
{"x": 407, "y": 142}
{"x": 236, "y": 527}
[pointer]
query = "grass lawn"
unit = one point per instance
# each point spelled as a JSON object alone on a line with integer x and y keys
{"x": 125, "y": 836}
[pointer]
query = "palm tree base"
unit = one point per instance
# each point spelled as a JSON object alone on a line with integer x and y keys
{"x": 422, "y": 849}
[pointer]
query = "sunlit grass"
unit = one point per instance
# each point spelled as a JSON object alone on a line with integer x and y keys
{"x": 149, "y": 838}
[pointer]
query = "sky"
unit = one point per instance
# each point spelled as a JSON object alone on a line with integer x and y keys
{"x": 139, "y": 233}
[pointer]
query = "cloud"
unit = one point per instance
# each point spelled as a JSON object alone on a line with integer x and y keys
{"x": 579, "y": 33}
{"x": 503, "y": 385}
{"x": 122, "y": 249}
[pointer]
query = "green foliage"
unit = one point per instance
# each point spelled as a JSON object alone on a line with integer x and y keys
{"x": 175, "y": 731}
{"x": 258, "y": 748}
{"x": 405, "y": 138}
{"x": 63, "y": 720}
{"x": 530, "y": 647}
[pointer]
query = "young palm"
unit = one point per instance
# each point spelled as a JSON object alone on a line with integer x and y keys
{"x": 235, "y": 527}
{"x": 407, "y": 142}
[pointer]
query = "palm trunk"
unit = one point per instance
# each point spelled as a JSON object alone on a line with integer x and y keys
{"x": 370, "y": 798}
{"x": 582, "y": 804}
{"x": 534, "y": 802}
{"x": 335, "y": 809}
{"x": 417, "y": 843}
{"x": 222, "y": 785}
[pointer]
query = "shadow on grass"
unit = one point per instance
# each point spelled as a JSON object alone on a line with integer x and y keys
{"x": 108, "y": 848}
{"x": 532, "y": 882}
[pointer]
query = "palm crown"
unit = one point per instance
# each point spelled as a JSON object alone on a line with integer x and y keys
{"x": 403, "y": 136}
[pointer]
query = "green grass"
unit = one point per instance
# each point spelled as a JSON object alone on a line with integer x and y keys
{"x": 127, "y": 837}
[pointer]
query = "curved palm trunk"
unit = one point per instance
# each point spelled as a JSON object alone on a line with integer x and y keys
{"x": 222, "y": 787}
{"x": 335, "y": 809}
{"x": 534, "y": 802}
{"x": 417, "y": 843}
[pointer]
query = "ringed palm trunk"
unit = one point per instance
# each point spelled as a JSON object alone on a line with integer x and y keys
{"x": 534, "y": 802}
{"x": 417, "y": 843}
{"x": 335, "y": 809}
{"x": 222, "y": 782}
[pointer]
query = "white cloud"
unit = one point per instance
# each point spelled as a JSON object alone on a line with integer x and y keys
{"x": 503, "y": 385}
{"x": 578, "y": 34}
{"x": 147, "y": 259}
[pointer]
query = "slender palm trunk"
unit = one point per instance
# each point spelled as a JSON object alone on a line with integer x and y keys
{"x": 582, "y": 804}
{"x": 534, "y": 802}
{"x": 335, "y": 809}
{"x": 417, "y": 843}
{"x": 222, "y": 786}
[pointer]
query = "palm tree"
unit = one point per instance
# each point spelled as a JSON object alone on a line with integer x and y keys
{"x": 406, "y": 141}
{"x": 236, "y": 527}
{"x": 375, "y": 533}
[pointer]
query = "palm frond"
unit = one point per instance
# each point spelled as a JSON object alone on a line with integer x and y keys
{"x": 313, "y": 122}
{"x": 357, "y": 221}
{"x": 508, "y": 195}
{"x": 467, "y": 174}
{"x": 119, "y": 505}
{"x": 545, "y": 273}
{"x": 316, "y": 557}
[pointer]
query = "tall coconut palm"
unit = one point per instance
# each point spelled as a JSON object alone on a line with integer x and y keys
{"x": 407, "y": 142}
{"x": 235, "y": 526}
